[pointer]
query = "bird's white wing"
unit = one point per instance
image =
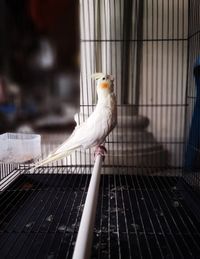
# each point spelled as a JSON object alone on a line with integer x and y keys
{"x": 94, "y": 130}
{"x": 90, "y": 133}
{"x": 67, "y": 147}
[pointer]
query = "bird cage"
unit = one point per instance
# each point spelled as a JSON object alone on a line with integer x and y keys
{"x": 148, "y": 197}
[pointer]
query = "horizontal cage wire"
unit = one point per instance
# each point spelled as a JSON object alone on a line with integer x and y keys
{"x": 150, "y": 185}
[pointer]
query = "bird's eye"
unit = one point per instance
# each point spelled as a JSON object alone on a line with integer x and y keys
{"x": 103, "y": 78}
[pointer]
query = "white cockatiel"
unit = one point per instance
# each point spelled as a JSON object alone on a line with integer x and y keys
{"x": 95, "y": 129}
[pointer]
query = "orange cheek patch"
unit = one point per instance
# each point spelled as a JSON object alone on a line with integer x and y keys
{"x": 104, "y": 85}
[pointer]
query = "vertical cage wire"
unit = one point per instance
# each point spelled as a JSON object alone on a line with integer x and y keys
{"x": 191, "y": 175}
{"x": 144, "y": 45}
{"x": 150, "y": 47}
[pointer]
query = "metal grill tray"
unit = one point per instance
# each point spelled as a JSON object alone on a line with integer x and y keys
{"x": 137, "y": 217}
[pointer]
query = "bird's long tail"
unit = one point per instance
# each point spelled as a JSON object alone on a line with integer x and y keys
{"x": 54, "y": 156}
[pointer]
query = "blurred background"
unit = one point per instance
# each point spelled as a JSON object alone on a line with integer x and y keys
{"x": 39, "y": 64}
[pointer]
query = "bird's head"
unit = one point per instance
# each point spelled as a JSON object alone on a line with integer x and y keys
{"x": 105, "y": 84}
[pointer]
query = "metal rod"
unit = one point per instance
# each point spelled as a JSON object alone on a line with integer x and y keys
{"x": 84, "y": 238}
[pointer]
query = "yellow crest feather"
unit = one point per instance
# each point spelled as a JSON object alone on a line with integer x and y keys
{"x": 97, "y": 75}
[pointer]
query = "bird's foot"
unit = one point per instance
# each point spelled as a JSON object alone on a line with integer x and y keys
{"x": 100, "y": 150}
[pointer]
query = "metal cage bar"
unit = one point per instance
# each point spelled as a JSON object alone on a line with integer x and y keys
{"x": 142, "y": 206}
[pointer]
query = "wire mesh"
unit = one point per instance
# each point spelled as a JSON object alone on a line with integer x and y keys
{"x": 143, "y": 217}
{"x": 191, "y": 170}
{"x": 151, "y": 48}
{"x": 144, "y": 45}
{"x": 137, "y": 217}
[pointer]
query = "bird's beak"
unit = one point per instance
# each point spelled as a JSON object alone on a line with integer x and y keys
{"x": 104, "y": 85}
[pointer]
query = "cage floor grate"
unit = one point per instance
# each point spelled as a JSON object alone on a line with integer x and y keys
{"x": 137, "y": 217}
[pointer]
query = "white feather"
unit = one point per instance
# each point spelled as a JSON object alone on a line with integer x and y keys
{"x": 94, "y": 130}
{"x": 76, "y": 119}
{"x": 97, "y": 75}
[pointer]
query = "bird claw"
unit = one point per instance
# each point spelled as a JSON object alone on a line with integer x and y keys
{"x": 100, "y": 150}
